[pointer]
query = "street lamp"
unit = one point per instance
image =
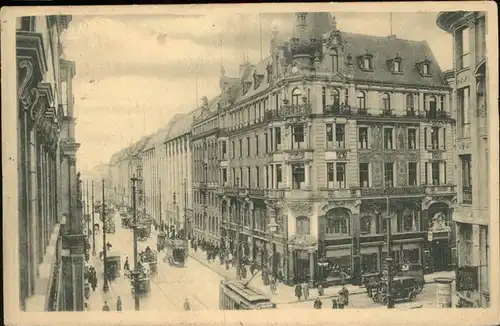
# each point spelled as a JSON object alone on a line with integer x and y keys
{"x": 136, "y": 272}
{"x": 105, "y": 287}
{"x": 238, "y": 227}
{"x": 93, "y": 222}
{"x": 389, "y": 260}
{"x": 273, "y": 228}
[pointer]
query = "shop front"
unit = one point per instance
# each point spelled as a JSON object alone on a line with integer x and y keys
{"x": 302, "y": 252}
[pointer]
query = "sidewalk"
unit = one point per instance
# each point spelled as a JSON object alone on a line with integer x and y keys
{"x": 285, "y": 294}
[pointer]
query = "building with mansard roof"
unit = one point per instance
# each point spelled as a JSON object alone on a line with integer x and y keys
{"x": 471, "y": 214}
{"x": 321, "y": 141}
{"x": 50, "y": 193}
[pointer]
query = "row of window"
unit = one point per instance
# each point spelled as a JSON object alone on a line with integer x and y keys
{"x": 336, "y": 172}
{"x": 435, "y": 138}
{"x": 366, "y": 63}
{"x": 430, "y": 101}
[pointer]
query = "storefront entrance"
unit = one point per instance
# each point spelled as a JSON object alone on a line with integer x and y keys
{"x": 441, "y": 253}
{"x": 302, "y": 267}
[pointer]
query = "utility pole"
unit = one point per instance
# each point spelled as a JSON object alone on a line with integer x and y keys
{"x": 87, "y": 216}
{"x": 93, "y": 222}
{"x": 105, "y": 287}
{"x": 238, "y": 227}
{"x": 390, "y": 300}
{"x": 159, "y": 185}
{"x": 136, "y": 273}
{"x": 185, "y": 209}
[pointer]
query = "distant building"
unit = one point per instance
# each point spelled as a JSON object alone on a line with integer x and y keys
{"x": 205, "y": 171}
{"x": 469, "y": 80}
{"x": 51, "y": 239}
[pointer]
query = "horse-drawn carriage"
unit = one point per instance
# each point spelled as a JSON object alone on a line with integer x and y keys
{"x": 125, "y": 221}
{"x": 176, "y": 251}
{"x": 141, "y": 279}
{"x": 112, "y": 264}
{"x": 149, "y": 258}
{"x": 143, "y": 232}
{"x": 161, "y": 239}
{"x": 110, "y": 225}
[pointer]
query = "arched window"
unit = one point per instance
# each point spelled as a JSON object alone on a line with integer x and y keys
{"x": 303, "y": 225}
{"x": 361, "y": 100}
{"x": 335, "y": 60}
{"x": 335, "y": 97}
{"x": 410, "y": 106}
{"x": 296, "y": 94}
{"x": 386, "y": 102}
{"x": 337, "y": 221}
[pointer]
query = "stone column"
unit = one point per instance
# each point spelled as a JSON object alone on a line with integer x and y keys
{"x": 311, "y": 268}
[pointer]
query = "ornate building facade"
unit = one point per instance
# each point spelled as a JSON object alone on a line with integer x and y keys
{"x": 471, "y": 214}
{"x": 317, "y": 142}
{"x": 51, "y": 239}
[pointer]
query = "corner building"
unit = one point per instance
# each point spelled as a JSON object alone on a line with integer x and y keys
{"x": 319, "y": 137}
{"x": 470, "y": 93}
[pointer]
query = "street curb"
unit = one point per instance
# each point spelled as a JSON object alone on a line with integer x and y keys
{"x": 285, "y": 302}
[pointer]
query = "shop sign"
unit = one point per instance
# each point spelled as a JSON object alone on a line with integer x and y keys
{"x": 466, "y": 278}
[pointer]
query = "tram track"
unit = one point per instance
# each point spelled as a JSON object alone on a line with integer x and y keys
{"x": 160, "y": 281}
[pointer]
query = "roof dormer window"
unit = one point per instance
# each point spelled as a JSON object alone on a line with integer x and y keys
{"x": 395, "y": 64}
{"x": 365, "y": 61}
{"x": 425, "y": 68}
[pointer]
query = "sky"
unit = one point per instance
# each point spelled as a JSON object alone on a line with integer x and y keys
{"x": 134, "y": 72}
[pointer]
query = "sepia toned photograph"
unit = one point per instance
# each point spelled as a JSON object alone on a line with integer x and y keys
{"x": 194, "y": 162}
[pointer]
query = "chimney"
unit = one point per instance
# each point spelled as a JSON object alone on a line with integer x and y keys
{"x": 243, "y": 67}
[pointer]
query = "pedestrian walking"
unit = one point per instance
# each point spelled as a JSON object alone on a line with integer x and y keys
{"x": 335, "y": 304}
{"x": 187, "y": 306}
{"x": 317, "y": 303}
{"x": 343, "y": 277}
{"x": 105, "y": 307}
{"x": 344, "y": 292}
{"x": 305, "y": 290}
{"x": 298, "y": 291}
{"x": 321, "y": 291}
{"x": 119, "y": 304}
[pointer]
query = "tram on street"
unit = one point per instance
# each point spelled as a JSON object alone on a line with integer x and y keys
{"x": 236, "y": 295}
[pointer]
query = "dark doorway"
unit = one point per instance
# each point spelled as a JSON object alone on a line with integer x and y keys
{"x": 301, "y": 266}
{"x": 441, "y": 253}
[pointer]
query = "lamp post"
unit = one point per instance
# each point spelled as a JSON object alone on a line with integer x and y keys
{"x": 93, "y": 222}
{"x": 87, "y": 216}
{"x": 105, "y": 287}
{"x": 238, "y": 227}
{"x": 159, "y": 186}
{"x": 136, "y": 285}
{"x": 390, "y": 300}
{"x": 273, "y": 228}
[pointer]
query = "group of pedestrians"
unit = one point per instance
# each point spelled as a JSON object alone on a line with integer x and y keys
{"x": 338, "y": 302}
{"x": 105, "y": 307}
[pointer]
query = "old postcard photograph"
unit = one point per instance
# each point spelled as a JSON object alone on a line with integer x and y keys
{"x": 251, "y": 164}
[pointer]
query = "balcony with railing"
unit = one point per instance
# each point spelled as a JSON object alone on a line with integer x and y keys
{"x": 437, "y": 114}
{"x": 287, "y": 110}
{"x": 437, "y": 189}
{"x": 48, "y": 285}
{"x": 275, "y": 194}
{"x": 391, "y": 191}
